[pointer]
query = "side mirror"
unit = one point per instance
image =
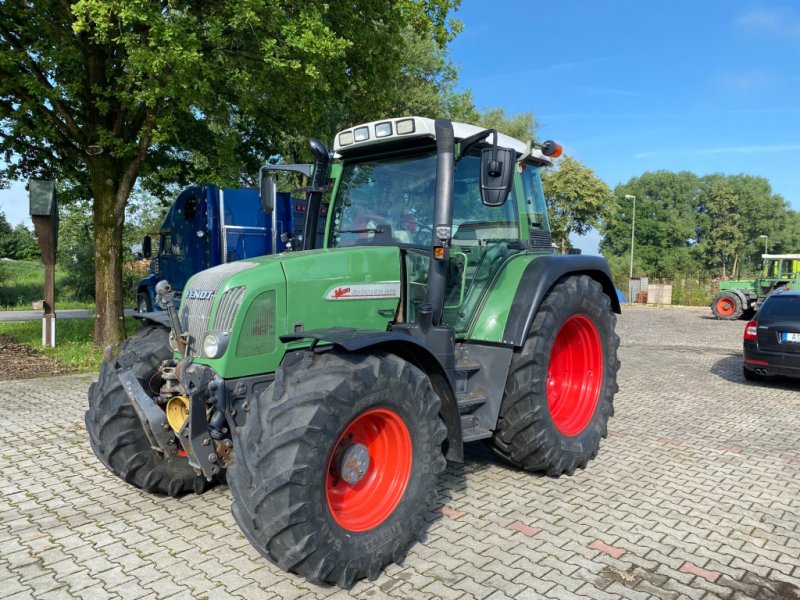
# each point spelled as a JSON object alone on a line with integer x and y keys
{"x": 497, "y": 174}
{"x": 147, "y": 247}
{"x": 268, "y": 193}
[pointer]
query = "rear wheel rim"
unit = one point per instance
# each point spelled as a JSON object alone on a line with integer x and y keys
{"x": 574, "y": 375}
{"x": 725, "y": 306}
{"x": 369, "y": 502}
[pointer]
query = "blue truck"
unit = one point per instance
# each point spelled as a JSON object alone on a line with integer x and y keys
{"x": 208, "y": 226}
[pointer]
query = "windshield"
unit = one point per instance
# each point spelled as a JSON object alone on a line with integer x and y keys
{"x": 389, "y": 201}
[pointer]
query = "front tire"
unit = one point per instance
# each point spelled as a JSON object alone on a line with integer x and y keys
{"x": 293, "y": 495}
{"x": 561, "y": 383}
{"x": 116, "y": 434}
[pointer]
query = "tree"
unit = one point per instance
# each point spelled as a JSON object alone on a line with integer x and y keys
{"x": 577, "y": 200}
{"x": 667, "y": 228}
{"x": 724, "y": 238}
{"x": 688, "y": 224}
{"x": 17, "y": 243}
{"x": 5, "y": 236}
{"x": 97, "y": 93}
{"x": 521, "y": 125}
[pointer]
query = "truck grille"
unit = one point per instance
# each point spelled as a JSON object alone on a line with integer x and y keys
{"x": 196, "y": 308}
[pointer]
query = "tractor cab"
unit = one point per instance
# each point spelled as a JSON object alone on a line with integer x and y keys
{"x": 385, "y": 195}
{"x": 779, "y": 270}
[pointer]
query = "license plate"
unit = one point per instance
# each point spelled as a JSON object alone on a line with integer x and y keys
{"x": 787, "y": 336}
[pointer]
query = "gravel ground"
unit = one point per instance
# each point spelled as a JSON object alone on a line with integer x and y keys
{"x": 683, "y": 327}
{"x": 21, "y": 362}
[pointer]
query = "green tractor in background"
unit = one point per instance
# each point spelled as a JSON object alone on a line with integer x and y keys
{"x": 329, "y": 386}
{"x": 740, "y": 299}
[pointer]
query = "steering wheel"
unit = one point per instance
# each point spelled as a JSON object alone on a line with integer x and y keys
{"x": 419, "y": 224}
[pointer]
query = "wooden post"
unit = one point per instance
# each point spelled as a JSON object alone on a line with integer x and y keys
{"x": 44, "y": 214}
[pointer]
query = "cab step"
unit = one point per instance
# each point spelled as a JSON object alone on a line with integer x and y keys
{"x": 471, "y": 429}
{"x": 469, "y": 402}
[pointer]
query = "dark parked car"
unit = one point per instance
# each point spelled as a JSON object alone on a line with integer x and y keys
{"x": 772, "y": 338}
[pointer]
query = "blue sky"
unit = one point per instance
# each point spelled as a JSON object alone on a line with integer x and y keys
{"x": 629, "y": 86}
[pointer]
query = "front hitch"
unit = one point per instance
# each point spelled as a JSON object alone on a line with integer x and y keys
{"x": 196, "y": 439}
{"x": 153, "y": 419}
{"x": 197, "y": 382}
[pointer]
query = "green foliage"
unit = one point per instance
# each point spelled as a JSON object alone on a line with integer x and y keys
{"x": 76, "y": 249}
{"x": 521, "y": 125}
{"x": 723, "y": 234}
{"x": 74, "y": 345}
{"x": 22, "y": 282}
{"x": 17, "y": 243}
{"x": 577, "y": 200}
{"x": 666, "y": 225}
{"x": 691, "y": 224}
{"x": 96, "y": 93}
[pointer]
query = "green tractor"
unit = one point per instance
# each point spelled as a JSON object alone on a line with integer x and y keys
{"x": 329, "y": 386}
{"x": 740, "y": 299}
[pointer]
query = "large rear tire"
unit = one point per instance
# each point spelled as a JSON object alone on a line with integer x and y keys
{"x": 116, "y": 434}
{"x": 561, "y": 383}
{"x": 336, "y": 465}
{"x": 727, "y": 306}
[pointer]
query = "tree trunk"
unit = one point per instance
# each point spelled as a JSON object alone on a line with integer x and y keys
{"x": 109, "y": 327}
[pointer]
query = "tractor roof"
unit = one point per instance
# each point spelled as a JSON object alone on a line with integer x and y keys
{"x": 774, "y": 256}
{"x": 377, "y": 132}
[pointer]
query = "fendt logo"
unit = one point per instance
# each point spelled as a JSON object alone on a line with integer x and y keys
{"x": 199, "y": 294}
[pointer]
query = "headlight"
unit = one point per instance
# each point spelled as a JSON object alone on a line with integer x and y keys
{"x": 214, "y": 344}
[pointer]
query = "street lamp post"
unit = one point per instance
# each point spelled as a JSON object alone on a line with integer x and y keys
{"x": 633, "y": 228}
{"x": 765, "y": 242}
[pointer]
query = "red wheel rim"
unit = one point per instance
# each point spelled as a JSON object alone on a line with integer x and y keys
{"x": 725, "y": 306}
{"x": 575, "y": 375}
{"x": 369, "y": 502}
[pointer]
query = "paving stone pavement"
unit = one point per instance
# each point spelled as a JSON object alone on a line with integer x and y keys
{"x": 695, "y": 494}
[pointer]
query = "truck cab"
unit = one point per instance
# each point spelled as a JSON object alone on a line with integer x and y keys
{"x": 208, "y": 226}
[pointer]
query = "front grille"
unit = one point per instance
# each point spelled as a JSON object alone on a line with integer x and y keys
{"x": 196, "y": 308}
{"x": 228, "y": 307}
{"x": 540, "y": 239}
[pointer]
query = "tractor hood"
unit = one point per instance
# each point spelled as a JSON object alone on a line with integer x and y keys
{"x": 249, "y": 304}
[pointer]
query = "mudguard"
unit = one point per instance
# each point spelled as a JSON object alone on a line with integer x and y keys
{"x": 539, "y": 276}
{"x": 407, "y": 348}
{"x": 161, "y": 317}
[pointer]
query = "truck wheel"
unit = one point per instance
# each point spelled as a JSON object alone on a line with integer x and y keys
{"x": 336, "y": 465}
{"x": 116, "y": 434}
{"x": 727, "y": 306}
{"x": 143, "y": 303}
{"x": 561, "y": 383}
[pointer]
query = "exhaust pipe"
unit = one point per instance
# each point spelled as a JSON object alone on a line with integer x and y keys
{"x": 442, "y": 218}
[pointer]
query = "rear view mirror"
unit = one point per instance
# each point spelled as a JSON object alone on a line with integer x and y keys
{"x": 268, "y": 193}
{"x": 147, "y": 247}
{"x": 497, "y": 174}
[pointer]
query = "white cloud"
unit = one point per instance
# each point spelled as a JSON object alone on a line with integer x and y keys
{"x": 779, "y": 22}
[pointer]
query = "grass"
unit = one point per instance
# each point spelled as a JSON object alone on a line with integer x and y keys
{"x": 22, "y": 282}
{"x": 74, "y": 345}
